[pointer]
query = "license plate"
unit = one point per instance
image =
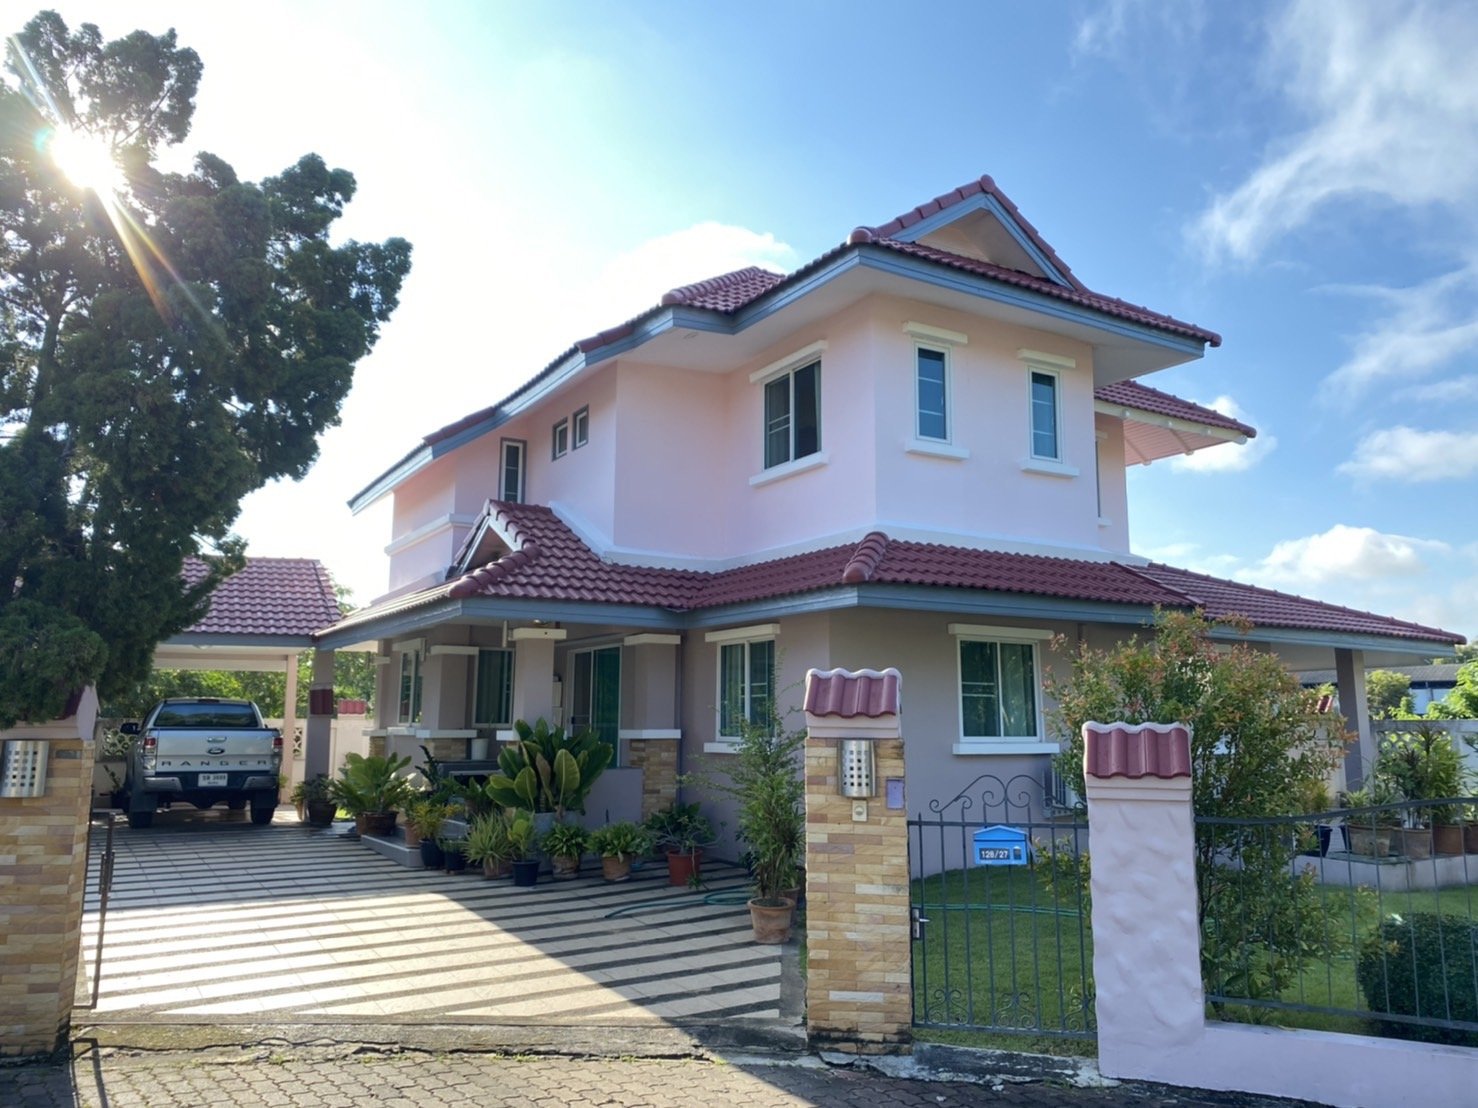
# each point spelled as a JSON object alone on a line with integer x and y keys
{"x": 212, "y": 781}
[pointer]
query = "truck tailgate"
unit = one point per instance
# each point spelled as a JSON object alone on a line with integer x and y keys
{"x": 189, "y": 749}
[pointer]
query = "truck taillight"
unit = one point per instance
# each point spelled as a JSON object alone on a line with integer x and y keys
{"x": 151, "y": 744}
{"x": 277, "y": 743}
{"x": 149, "y": 750}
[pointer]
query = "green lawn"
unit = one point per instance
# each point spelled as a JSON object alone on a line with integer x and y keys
{"x": 1003, "y": 949}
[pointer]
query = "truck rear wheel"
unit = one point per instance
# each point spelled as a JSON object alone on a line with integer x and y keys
{"x": 141, "y": 819}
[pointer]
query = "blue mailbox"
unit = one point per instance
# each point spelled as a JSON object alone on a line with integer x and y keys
{"x": 1002, "y": 846}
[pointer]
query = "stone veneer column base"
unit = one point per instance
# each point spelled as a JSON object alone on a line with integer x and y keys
{"x": 657, "y": 760}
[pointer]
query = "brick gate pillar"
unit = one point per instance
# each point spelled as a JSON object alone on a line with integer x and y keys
{"x": 859, "y": 992}
{"x": 43, "y": 870}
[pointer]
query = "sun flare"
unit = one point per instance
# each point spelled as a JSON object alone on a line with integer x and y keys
{"x": 87, "y": 161}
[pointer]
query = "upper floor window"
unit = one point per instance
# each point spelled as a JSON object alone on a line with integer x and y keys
{"x": 1045, "y": 442}
{"x": 408, "y": 707}
{"x": 932, "y": 380}
{"x": 581, "y": 429}
{"x": 561, "y": 442}
{"x": 932, "y": 400}
{"x": 999, "y": 688}
{"x": 510, "y": 485}
{"x": 492, "y": 704}
{"x": 793, "y": 415}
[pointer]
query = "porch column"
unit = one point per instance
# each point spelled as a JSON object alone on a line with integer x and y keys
{"x": 318, "y": 736}
{"x": 649, "y": 726}
{"x": 533, "y": 672}
{"x": 1349, "y": 677}
{"x": 859, "y": 992}
{"x": 291, "y": 765}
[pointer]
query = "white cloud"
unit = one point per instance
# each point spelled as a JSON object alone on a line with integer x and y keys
{"x": 1341, "y": 554}
{"x": 634, "y": 281}
{"x": 1105, "y": 33}
{"x": 1454, "y": 390}
{"x": 1407, "y": 454}
{"x": 1230, "y": 458}
{"x": 1389, "y": 117}
{"x": 1427, "y": 327}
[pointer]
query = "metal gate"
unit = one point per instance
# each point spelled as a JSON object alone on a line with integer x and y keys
{"x": 1000, "y": 906}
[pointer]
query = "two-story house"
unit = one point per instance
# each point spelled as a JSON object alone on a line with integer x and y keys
{"x": 910, "y": 452}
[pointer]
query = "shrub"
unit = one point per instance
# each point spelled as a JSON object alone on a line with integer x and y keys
{"x": 1422, "y": 964}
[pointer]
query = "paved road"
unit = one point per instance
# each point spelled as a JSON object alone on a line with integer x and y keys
{"x": 353, "y": 1076}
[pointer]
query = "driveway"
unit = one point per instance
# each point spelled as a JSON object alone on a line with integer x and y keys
{"x": 211, "y": 919}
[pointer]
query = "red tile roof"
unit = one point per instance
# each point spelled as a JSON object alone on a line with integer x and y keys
{"x": 268, "y": 596}
{"x": 1132, "y": 394}
{"x": 1108, "y": 305}
{"x": 549, "y": 562}
{"x": 985, "y": 186}
{"x": 730, "y": 292}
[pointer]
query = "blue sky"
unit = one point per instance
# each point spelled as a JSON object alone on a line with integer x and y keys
{"x": 1301, "y": 177}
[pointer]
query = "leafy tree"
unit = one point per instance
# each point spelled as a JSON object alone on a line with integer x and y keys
{"x": 1259, "y": 748}
{"x": 1462, "y": 701}
{"x": 354, "y": 678}
{"x": 1387, "y": 694}
{"x": 168, "y": 343}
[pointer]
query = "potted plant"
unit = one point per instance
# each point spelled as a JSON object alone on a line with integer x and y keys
{"x": 1371, "y": 832}
{"x": 764, "y": 777}
{"x": 547, "y": 770}
{"x": 681, "y": 832}
{"x": 488, "y": 844}
{"x": 319, "y": 806}
{"x": 423, "y": 820}
{"x": 372, "y": 791}
{"x": 1314, "y": 801}
{"x": 453, "y": 853}
{"x": 565, "y": 843}
{"x": 522, "y": 843}
{"x": 618, "y": 844}
{"x": 1423, "y": 765}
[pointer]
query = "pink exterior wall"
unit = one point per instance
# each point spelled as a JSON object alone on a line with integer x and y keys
{"x": 1113, "y": 516}
{"x": 1151, "y": 1011}
{"x": 668, "y": 468}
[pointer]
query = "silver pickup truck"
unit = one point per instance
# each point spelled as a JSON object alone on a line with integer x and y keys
{"x": 202, "y": 751}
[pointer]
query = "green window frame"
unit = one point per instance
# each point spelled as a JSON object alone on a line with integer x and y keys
{"x": 746, "y": 686}
{"x": 492, "y": 699}
{"x": 408, "y": 706}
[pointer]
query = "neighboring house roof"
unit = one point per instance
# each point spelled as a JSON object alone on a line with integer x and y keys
{"x": 1442, "y": 674}
{"x": 268, "y": 597}
{"x": 728, "y": 295}
{"x": 547, "y": 561}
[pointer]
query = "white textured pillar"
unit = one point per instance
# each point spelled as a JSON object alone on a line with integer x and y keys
{"x": 318, "y": 734}
{"x": 533, "y": 672}
{"x": 1146, "y": 939}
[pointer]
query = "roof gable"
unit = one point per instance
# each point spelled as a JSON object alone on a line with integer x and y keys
{"x": 977, "y": 221}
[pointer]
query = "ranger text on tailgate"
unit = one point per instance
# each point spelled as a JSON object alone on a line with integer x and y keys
{"x": 202, "y": 751}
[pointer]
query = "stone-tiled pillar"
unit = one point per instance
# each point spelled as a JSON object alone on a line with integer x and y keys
{"x": 657, "y": 760}
{"x": 859, "y": 993}
{"x": 43, "y": 871}
{"x": 1146, "y": 939}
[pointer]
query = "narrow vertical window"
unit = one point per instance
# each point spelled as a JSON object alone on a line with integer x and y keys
{"x": 561, "y": 443}
{"x": 581, "y": 430}
{"x": 1044, "y": 415}
{"x": 493, "y": 698}
{"x": 511, "y": 484}
{"x": 409, "y": 707}
{"x": 793, "y": 415}
{"x": 933, "y": 422}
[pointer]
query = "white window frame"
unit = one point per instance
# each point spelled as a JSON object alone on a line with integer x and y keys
{"x": 580, "y": 428}
{"x": 1002, "y": 744}
{"x": 736, "y": 636}
{"x": 1053, "y": 366}
{"x": 559, "y": 444}
{"x": 412, "y": 658}
{"x": 920, "y": 348}
{"x": 788, "y": 367}
{"x": 936, "y": 340}
{"x": 523, "y": 457}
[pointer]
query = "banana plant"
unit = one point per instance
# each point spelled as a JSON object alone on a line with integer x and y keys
{"x": 547, "y": 770}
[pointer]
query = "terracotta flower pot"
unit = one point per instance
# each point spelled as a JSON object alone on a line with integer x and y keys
{"x": 616, "y": 868}
{"x": 379, "y": 823}
{"x": 771, "y": 919}
{"x": 1416, "y": 842}
{"x": 496, "y": 868}
{"x": 564, "y": 867}
{"x": 1447, "y": 838}
{"x": 1470, "y": 838}
{"x": 682, "y": 868}
{"x": 1374, "y": 842}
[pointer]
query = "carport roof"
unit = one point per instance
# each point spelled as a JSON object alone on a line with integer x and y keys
{"x": 269, "y": 597}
